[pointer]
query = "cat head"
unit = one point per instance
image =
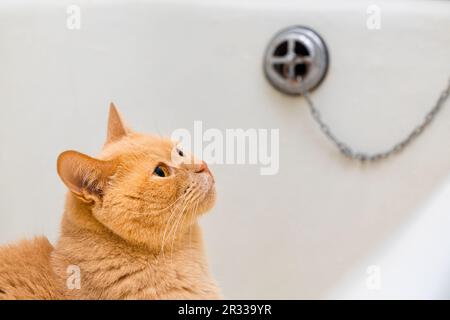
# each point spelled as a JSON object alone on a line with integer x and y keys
{"x": 143, "y": 188}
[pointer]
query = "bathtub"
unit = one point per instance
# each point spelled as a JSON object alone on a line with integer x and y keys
{"x": 323, "y": 226}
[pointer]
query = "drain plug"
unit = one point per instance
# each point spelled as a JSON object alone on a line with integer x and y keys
{"x": 296, "y": 60}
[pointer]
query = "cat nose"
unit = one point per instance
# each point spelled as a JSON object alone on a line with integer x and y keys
{"x": 202, "y": 167}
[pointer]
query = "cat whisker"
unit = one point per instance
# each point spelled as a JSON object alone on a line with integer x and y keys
{"x": 180, "y": 216}
{"x": 191, "y": 214}
{"x": 191, "y": 220}
{"x": 185, "y": 193}
{"x": 186, "y": 200}
{"x": 174, "y": 213}
{"x": 170, "y": 205}
{"x": 182, "y": 197}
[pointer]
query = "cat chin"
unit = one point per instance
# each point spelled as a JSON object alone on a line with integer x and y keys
{"x": 208, "y": 201}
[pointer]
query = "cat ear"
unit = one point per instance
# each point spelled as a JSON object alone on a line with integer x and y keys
{"x": 116, "y": 126}
{"x": 85, "y": 177}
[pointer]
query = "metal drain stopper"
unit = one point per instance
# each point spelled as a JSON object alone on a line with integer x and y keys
{"x": 296, "y": 60}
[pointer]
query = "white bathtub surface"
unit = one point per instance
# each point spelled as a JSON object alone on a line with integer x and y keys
{"x": 413, "y": 263}
{"x": 310, "y": 231}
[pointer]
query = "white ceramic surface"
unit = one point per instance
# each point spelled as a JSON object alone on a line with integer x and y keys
{"x": 310, "y": 231}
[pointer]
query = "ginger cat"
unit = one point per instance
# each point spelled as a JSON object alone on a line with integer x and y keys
{"x": 129, "y": 227}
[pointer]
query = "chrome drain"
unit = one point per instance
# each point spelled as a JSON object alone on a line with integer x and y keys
{"x": 296, "y": 60}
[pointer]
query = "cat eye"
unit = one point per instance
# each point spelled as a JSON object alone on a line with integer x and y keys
{"x": 161, "y": 171}
{"x": 180, "y": 153}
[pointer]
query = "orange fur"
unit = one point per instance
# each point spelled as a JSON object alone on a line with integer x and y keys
{"x": 25, "y": 271}
{"x": 131, "y": 233}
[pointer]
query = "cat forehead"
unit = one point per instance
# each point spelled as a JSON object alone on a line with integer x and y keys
{"x": 139, "y": 145}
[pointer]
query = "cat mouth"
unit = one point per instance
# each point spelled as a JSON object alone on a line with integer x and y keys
{"x": 208, "y": 194}
{"x": 209, "y": 173}
{"x": 211, "y": 181}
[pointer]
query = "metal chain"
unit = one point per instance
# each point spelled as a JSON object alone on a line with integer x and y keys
{"x": 398, "y": 147}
